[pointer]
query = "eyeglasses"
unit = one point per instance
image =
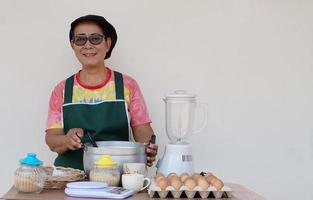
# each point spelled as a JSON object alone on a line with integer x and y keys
{"x": 81, "y": 40}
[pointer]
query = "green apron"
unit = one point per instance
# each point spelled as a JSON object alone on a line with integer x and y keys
{"x": 106, "y": 120}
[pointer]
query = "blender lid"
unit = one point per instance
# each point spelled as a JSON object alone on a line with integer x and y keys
{"x": 180, "y": 94}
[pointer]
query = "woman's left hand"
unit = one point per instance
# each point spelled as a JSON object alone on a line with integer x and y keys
{"x": 151, "y": 151}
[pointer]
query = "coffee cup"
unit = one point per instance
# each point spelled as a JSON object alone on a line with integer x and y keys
{"x": 135, "y": 182}
{"x": 134, "y": 168}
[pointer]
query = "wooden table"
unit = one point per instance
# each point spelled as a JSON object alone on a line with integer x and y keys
{"x": 239, "y": 193}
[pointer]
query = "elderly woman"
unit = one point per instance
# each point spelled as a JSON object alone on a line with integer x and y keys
{"x": 96, "y": 99}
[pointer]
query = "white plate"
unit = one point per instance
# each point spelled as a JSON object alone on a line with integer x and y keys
{"x": 86, "y": 185}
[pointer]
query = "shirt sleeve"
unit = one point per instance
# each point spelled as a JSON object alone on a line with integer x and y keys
{"x": 54, "y": 119}
{"x": 137, "y": 107}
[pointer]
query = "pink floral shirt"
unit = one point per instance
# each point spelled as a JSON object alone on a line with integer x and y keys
{"x": 105, "y": 91}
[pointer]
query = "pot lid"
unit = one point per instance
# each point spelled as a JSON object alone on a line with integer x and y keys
{"x": 180, "y": 94}
{"x": 31, "y": 160}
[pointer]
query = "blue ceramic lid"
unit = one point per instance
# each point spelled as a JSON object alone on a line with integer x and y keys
{"x": 31, "y": 160}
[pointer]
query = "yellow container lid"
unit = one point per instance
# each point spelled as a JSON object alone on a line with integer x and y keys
{"x": 106, "y": 162}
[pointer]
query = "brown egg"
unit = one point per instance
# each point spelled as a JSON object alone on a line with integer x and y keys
{"x": 209, "y": 174}
{"x": 210, "y": 178}
{"x": 162, "y": 184}
{"x": 172, "y": 175}
{"x": 213, "y": 180}
{"x": 203, "y": 183}
{"x": 173, "y": 178}
{"x": 184, "y": 176}
{"x": 190, "y": 183}
{"x": 176, "y": 183}
{"x": 157, "y": 179}
{"x": 159, "y": 175}
{"x": 195, "y": 176}
{"x": 218, "y": 184}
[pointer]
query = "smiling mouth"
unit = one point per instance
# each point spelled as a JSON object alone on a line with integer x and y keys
{"x": 89, "y": 54}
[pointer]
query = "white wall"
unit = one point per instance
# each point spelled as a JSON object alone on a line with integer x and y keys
{"x": 251, "y": 61}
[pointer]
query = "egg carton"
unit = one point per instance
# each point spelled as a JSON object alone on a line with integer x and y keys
{"x": 155, "y": 191}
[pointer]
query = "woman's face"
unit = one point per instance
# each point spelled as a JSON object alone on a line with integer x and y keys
{"x": 90, "y": 54}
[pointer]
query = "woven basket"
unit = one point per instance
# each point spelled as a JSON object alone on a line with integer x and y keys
{"x": 59, "y": 182}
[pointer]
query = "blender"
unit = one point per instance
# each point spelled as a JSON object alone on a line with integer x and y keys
{"x": 180, "y": 107}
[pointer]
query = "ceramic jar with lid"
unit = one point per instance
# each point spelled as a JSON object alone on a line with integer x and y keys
{"x": 105, "y": 170}
{"x": 30, "y": 176}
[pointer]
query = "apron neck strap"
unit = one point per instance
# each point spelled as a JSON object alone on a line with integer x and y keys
{"x": 119, "y": 85}
{"x": 68, "y": 91}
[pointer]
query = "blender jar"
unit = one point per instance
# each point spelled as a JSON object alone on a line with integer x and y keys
{"x": 180, "y": 115}
{"x": 180, "y": 107}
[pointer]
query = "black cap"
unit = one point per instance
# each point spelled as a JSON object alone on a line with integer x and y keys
{"x": 107, "y": 29}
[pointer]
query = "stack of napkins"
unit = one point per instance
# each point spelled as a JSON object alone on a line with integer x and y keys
{"x": 90, "y": 189}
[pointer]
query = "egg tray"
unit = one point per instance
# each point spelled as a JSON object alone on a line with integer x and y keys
{"x": 155, "y": 191}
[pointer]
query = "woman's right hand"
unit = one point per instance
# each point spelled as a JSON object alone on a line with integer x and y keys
{"x": 73, "y": 138}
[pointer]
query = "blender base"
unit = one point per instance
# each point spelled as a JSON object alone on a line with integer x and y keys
{"x": 177, "y": 158}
